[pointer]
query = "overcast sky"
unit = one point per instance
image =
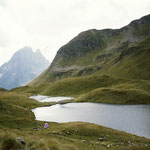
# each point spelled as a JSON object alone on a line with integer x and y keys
{"x": 49, "y": 24}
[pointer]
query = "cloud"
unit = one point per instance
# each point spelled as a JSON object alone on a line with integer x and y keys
{"x": 3, "y": 3}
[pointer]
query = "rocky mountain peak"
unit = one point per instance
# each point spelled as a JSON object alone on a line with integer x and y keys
{"x": 24, "y": 66}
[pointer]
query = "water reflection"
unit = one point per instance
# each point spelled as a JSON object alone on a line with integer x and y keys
{"x": 42, "y": 98}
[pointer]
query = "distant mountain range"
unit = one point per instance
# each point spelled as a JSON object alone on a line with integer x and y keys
{"x": 23, "y": 67}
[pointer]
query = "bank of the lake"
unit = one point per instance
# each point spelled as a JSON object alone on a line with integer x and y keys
{"x": 42, "y": 99}
{"x": 133, "y": 119}
{"x": 18, "y": 121}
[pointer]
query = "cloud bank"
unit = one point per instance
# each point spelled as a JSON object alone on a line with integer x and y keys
{"x": 48, "y": 24}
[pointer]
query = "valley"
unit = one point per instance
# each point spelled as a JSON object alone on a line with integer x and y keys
{"x": 108, "y": 67}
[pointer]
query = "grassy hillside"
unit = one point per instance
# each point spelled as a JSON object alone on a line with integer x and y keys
{"x": 122, "y": 52}
{"x": 15, "y": 110}
{"x": 103, "y": 89}
{"x": 18, "y": 122}
{"x": 96, "y": 88}
{"x": 2, "y": 90}
{"x": 117, "y": 96}
{"x": 132, "y": 62}
{"x": 29, "y": 89}
{"x": 80, "y": 85}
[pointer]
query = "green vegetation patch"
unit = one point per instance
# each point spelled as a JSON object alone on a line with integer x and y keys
{"x": 117, "y": 96}
{"x": 80, "y": 85}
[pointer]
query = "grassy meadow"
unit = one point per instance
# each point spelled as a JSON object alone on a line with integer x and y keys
{"x": 18, "y": 122}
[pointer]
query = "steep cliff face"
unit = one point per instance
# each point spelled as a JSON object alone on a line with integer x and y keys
{"x": 24, "y": 66}
{"x": 116, "y": 52}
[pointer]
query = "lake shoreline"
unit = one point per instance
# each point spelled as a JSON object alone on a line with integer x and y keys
{"x": 66, "y": 103}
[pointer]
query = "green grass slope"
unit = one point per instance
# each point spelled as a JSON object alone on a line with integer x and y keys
{"x": 96, "y": 88}
{"x": 132, "y": 62}
{"x": 117, "y": 96}
{"x": 122, "y": 52}
{"x": 80, "y": 85}
{"x": 30, "y": 90}
{"x": 102, "y": 89}
{"x": 15, "y": 110}
{"x": 2, "y": 90}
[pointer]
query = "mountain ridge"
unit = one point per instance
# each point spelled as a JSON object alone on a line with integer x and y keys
{"x": 96, "y": 51}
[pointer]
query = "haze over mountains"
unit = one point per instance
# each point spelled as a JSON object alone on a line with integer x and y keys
{"x": 24, "y": 66}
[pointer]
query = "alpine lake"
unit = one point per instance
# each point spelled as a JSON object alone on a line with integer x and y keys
{"x": 134, "y": 119}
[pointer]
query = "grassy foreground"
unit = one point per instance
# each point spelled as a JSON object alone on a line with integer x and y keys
{"x": 18, "y": 122}
{"x": 71, "y": 136}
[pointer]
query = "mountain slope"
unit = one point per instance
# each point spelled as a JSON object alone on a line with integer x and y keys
{"x": 119, "y": 52}
{"x": 24, "y": 66}
{"x": 132, "y": 62}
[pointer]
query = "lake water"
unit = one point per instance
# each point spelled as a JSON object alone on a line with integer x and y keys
{"x": 133, "y": 119}
{"x": 42, "y": 98}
